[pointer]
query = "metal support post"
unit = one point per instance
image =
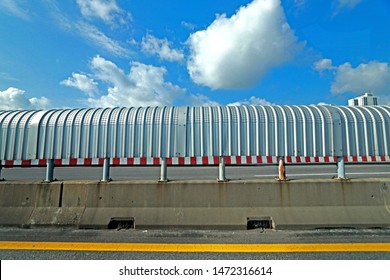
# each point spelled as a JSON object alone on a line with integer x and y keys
{"x": 1, "y": 167}
{"x": 163, "y": 171}
{"x": 106, "y": 170}
{"x": 282, "y": 169}
{"x": 49, "y": 170}
{"x": 221, "y": 170}
{"x": 340, "y": 168}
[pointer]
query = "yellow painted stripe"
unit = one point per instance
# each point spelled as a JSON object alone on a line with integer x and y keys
{"x": 210, "y": 248}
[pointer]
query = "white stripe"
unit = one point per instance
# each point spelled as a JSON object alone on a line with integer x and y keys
{"x": 254, "y": 159}
{"x": 149, "y": 161}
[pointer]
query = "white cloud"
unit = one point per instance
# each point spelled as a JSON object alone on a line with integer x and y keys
{"x": 14, "y": 7}
{"x": 81, "y": 82}
{"x": 323, "y": 64}
{"x": 161, "y": 48}
{"x": 300, "y": 3}
{"x": 347, "y": 3}
{"x": 372, "y": 76}
{"x": 236, "y": 52}
{"x": 188, "y": 25}
{"x": 144, "y": 85}
{"x": 90, "y": 33}
{"x": 39, "y": 103}
{"x": 339, "y": 5}
{"x": 201, "y": 100}
{"x": 7, "y": 76}
{"x": 14, "y": 99}
{"x": 253, "y": 100}
{"x": 98, "y": 38}
{"x": 106, "y": 10}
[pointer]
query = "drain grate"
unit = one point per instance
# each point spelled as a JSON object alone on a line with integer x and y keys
{"x": 119, "y": 223}
{"x": 259, "y": 222}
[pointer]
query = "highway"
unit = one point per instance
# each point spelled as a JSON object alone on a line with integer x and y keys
{"x": 293, "y": 172}
{"x": 170, "y": 244}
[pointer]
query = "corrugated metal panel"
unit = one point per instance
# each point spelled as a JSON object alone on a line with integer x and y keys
{"x": 153, "y": 132}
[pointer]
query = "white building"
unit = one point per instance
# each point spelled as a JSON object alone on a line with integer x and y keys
{"x": 364, "y": 100}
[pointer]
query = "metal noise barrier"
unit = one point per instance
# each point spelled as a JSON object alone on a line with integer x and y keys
{"x": 169, "y": 136}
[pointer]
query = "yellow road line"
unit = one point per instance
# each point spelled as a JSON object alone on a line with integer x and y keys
{"x": 210, "y": 248}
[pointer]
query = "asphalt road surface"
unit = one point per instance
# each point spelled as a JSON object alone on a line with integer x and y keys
{"x": 353, "y": 171}
{"x": 169, "y": 244}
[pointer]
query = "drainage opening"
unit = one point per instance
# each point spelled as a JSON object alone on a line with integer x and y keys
{"x": 259, "y": 222}
{"x": 119, "y": 223}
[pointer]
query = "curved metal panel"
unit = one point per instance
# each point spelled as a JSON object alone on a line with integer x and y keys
{"x": 299, "y": 131}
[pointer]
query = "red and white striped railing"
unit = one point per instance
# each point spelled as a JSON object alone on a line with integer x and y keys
{"x": 179, "y": 161}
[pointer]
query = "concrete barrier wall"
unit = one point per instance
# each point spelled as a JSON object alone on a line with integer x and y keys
{"x": 198, "y": 204}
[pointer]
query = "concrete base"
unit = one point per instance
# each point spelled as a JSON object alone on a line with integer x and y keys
{"x": 198, "y": 204}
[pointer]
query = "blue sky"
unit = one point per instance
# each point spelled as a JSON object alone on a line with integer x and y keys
{"x": 109, "y": 53}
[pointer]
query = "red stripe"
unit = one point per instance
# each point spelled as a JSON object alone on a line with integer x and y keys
{"x": 354, "y": 159}
{"x": 298, "y": 159}
{"x": 269, "y": 159}
{"x": 58, "y": 162}
{"x": 169, "y": 161}
{"x": 238, "y": 160}
{"x": 42, "y": 162}
{"x": 307, "y": 159}
{"x": 326, "y": 159}
{"x": 205, "y": 160}
{"x": 142, "y": 161}
{"x": 156, "y": 161}
{"x": 383, "y": 158}
{"x": 87, "y": 161}
{"x": 228, "y": 160}
{"x": 259, "y": 159}
{"x": 316, "y": 159}
{"x": 248, "y": 160}
{"x": 193, "y": 160}
{"x": 101, "y": 161}
{"x": 130, "y": 161}
{"x": 73, "y": 161}
{"x": 216, "y": 160}
{"x": 373, "y": 158}
{"x": 26, "y": 163}
{"x": 116, "y": 161}
{"x": 288, "y": 159}
{"x": 181, "y": 160}
{"x": 364, "y": 158}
